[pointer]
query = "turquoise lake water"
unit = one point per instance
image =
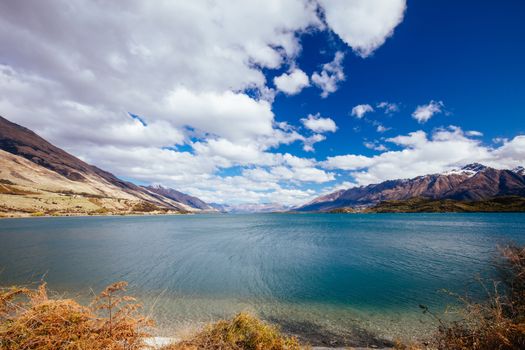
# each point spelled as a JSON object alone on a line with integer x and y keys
{"x": 353, "y": 276}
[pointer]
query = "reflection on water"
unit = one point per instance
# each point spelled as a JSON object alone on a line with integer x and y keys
{"x": 345, "y": 274}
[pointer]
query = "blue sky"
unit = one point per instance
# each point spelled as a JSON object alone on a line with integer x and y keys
{"x": 468, "y": 54}
{"x": 251, "y": 101}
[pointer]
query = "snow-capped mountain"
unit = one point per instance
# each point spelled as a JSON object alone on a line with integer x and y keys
{"x": 519, "y": 170}
{"x": 469, "y": 170}
{"x": 471, "y": 182}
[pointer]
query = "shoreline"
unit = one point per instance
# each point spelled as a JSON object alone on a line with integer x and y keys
{"x": 159, "y": 342}
{"x": 84, "y": 215}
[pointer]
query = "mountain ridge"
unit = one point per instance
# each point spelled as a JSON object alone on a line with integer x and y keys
{"x": 32, "y": 165}
{"x": 180, "y": 197}
{"x": 473, "y": 182}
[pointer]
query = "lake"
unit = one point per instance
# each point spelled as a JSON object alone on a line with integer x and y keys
{"x": 348, "y": 277}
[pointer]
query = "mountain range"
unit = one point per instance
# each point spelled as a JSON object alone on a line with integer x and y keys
{"x": 38, "y": 178}
{"x": 251, "y": 208}
{"x": 471, "y": 183}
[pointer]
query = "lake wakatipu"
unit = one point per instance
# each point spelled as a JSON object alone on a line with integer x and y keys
{"x": 319, "y": 275}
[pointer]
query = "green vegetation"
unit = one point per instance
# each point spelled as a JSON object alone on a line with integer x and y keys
{"x": 344, "y": 210}
{"x": 423, "y": 205}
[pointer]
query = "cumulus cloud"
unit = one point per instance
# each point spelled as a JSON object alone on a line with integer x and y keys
{"x": 331, "y": 75}
{"x": 193, "y": 71}
{"x": 217, "y": 112}
{"x": 375, "y": 146}
{"x": 292, "y": 83}
{"x": 382, "y": 128}
{"x": 359, "y": 111}
{"x": 318, "y": 124}
{"x": 420, "y": 154}
{"x": 280, "y": 173}
{"x": 363, "y": 24}
{"x": 474, "y": 133}
{"x": 423, "y": 113}
{"x": 309, "y": 142}
{"x": 388, "y": 107}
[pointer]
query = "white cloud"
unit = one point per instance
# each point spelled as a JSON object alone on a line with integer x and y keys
{"x": 345, "y": 185}
{"x": 292, "y": 83}
{"x": 359, "y": 111}
{"x": 348, "y": 162}
{"x": 423, "y": 113}
{"x": 413, "y": 139}
{"x": 474, "y": 133}
{"x": 363, "y": 24}
{"x": 382, "y": 128}
{"x": 216, "y": 113}
{"x": 318, "y": 124}
{"x": 375, "y": 146}
{"x": 388, "y": 107}
{"x": 419, "y": 155}
{"x": 331, "y": 75}
{"x": 309, "y": 142}
{"x": 194, "y": 70}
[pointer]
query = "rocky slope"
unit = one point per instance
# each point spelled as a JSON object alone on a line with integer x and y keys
{"x": 180, "y": 197}
{"x": 37, "y": 177}
{"x": 473, "y": 182}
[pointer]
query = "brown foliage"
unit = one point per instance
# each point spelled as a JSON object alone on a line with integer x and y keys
{"x": 243, "y": 332}
{"x": 29, "y": 319}
{"x": 496, "y": 323}
{"x": 145, "y": 207}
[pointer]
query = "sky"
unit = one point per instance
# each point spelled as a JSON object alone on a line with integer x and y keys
{"x": 274, "y": 101}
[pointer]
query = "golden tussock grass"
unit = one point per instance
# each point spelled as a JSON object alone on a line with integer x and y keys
{"x": 29, "y": 319}
{"x": 495, "y": 323}
{"x": 243, "y": 332}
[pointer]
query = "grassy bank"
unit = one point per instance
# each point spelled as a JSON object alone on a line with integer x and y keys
{"x": 31, "y": 319}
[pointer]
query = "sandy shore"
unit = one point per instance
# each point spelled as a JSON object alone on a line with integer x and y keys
{"x": 159, "y": 342}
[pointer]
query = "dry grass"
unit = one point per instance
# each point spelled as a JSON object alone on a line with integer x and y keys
{"x": 243, "y": 332}
{"x": 12, "y": 190}
{"x": 29, "y": 319}
{"x": 497, "y": 322}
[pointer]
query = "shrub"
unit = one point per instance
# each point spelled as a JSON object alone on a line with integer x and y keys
{"x": 496, "y": 323}
{"x": 144, "y": 207}
{"x": 243, "y": 332}
{"x": 29, "y": 319}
